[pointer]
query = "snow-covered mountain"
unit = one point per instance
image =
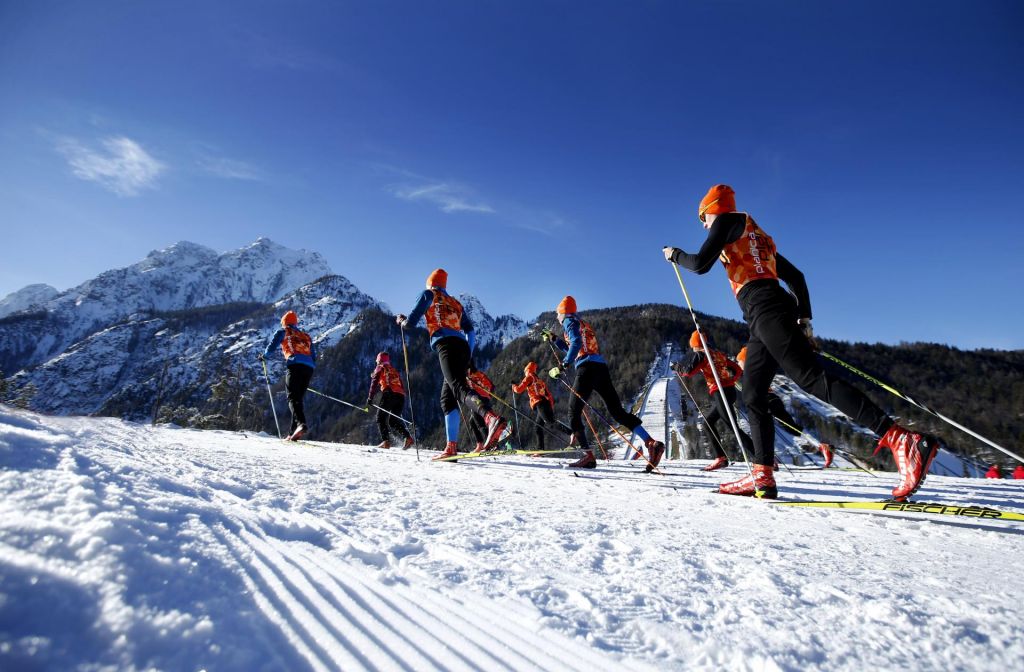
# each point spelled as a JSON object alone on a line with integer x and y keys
{"x": 181, "y": 277}
{"x": 499, "y": 331}
{"x": 127, "y": 361}
{"x": 26, "y": 298}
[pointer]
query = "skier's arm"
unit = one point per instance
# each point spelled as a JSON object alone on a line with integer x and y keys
{"x": 572, "y": 328}
{"x": 724, "y": 231}
{"x": 373, "y": 382}
{"x": 794, "y": 279}
{"x": 421, "y": 307}
{"x": 274, "y": 342}
{"x": 518, "y": 388}
{"x": 689, "y": 367}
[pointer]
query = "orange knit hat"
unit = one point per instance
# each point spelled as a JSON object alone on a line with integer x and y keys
{"x": 741, "y": 356}
{"x": 719, "y": 199}
{"x": 695, "y": 339}
{"x": 566, "y": 306}
{"x": 530, "y": 368}
{"x": 289, "y": 318}
{"x": 438, "y": 278}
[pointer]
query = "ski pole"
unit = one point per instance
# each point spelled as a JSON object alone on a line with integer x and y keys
{"x": 271, "y": 394}
{"x": 554, "y": 373}
{"x": 358, "y": 408}
{"x": 714, "y": 370}
{"x": 848, "y": 455}
{"x": 408, "y": 383}
{"x": 586, "y": 416}
{"x": 515, "y": 419}
{"x": 533, "y": 422}
{"x": 907, "y": 398}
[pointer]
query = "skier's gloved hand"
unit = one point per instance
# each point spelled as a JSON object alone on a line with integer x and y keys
{"x": 262, "y": 358}
{"x": 401, "y": 320}
{"x": 555, "y": 371}
{"x": 808, "y": 331}
{"x": 671, "y": 253}
{"x": 546, "y": 334}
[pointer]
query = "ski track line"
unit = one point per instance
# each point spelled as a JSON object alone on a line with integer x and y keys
{"x": 295, "y": 622}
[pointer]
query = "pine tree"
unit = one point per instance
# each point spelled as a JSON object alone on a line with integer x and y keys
{"x": 4, "y": 385}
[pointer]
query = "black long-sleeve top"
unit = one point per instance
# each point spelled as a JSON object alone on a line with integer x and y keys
{"x": 727, "y": 229}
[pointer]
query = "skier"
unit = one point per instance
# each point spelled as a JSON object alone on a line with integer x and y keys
{"x": 300, "y": 358}
{"x": 728, "y": 372}
{"x": 542, "y": 403}
{"x": 781, "y": 335}
{"x": 1018, "y": 472}
{"x": 581, "y": 351}
{"x": 994, "y": 472}
{"x": 483, "y": 386}
{"x": 392, "y": 401}
{"x": 781, "y": 414}
{"x": 452, "y": 338}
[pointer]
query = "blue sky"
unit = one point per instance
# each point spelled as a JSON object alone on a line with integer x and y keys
{"x": 533, "y": 149}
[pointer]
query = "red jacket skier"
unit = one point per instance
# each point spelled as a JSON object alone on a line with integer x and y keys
{"x": 699, "y": 363}
{"x": 542, "y": 403}
{"x": 386, "y": 379}
{"x": 1018, "y": 472}
{"x": 781, "y": 336}
{"x": 994, "y": 472}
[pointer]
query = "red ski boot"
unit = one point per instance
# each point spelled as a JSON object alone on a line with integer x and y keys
{"x": 495, "y": 426}
{"x": 759, "y": 484}
{"x": 479, "y": 447}
{"x": 719, "y": 463}
{"x": 384, "y": 445}
{"x": 913, "y": 453}
{"x": 297, "y": 434}
{"x": 826, "y": 452}
{"x": 655, "y": 451}
{"x": 450, "y": 450}
{"x": 588, "y": 461}
{"x": 408, "y": 443}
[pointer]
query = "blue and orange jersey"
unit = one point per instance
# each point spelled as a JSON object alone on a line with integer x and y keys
{"x": 385, "y": 377}
{"x": 296, "y": 346}
{"x": 580, "y": 344}
{"x": 445, "y": 317}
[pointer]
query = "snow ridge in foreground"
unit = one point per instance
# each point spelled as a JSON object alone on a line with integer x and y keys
{"x": 129, "y": 547}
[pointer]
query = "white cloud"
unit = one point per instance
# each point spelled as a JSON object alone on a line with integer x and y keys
{"x": 120, "y": 165}
{"x": 230, "y": 168}
{"x": 448, "y": 197}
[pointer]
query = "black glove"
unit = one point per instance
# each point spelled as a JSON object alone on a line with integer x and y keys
{"x": 262, "y": 357}
{"x": 401, "y": 320}
{"x": 808, "y": 331}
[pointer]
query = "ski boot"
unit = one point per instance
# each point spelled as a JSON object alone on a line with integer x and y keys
{"x": 826, "y": 452}
{"x": 719, "y": 463}
{"x": 655, "y": 451}
{"x": 297, "y": 434}
{"x": 588, "y": 461}
{"x": 408, "y": 443}
{"x": 450, "y": 450}
{"x": 759, "y": 484}
{"x": 384, "y": 445}
{"x": 479, "y": 447}
{"x": 913, "y": 453}
{"x": 495, "y": 426}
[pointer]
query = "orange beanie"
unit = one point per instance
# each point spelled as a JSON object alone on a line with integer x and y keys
{"x": 741, "y": 356}
{"x": 719, "y": 199}
{"x": 530, "y": 368}
{"x": 695, "y": 340}
{"x": 438, "y": 278}
{"x": 289, "y": 318}
{"x": 566, "y": 306}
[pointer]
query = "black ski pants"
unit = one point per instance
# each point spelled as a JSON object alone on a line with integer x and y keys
{"x": 394, "y": 403}
{"x": 594, "y": 377}
{"x": 296, "y": 381}
{"x": 777, "y": 341}
{"x": 717, "y": 413}
{"x": 453, "y": 355}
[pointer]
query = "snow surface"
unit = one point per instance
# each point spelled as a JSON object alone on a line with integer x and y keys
{"x": 124, "y": 546}
{"x": 26, "y": 298}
